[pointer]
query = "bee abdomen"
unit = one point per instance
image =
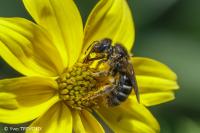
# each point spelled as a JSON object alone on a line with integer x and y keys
{"x": 126, "y": 89}
{"x": 116, "y": 98}
{"x": 121, "y": 96}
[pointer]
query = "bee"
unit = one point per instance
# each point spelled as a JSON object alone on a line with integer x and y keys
{"x": 120, "y": 67}
{"x": 120, "y": 91}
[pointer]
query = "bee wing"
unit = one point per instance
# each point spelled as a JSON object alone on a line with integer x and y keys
{"x": 131, "y": 74}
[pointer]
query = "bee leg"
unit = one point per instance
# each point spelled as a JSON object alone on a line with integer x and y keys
{"x": 113, "y": 101}
{"x": 106, "y": 90}
{"x": 100, "y": 62}
{"x": 87, "y": 59}
{"x": 101, "y": 74}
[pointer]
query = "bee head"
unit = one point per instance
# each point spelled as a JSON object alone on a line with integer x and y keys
{"x": 102, "y": 46}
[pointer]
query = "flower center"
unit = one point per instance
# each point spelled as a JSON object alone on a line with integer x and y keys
{"x": 79, "y": 86}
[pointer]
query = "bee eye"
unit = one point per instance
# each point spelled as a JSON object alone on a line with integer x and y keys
{"x": 107, "y": 41}
{"x": 102, "y": 48}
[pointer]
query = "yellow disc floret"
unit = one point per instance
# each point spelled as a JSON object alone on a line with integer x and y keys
{"x": 79, "y": 87}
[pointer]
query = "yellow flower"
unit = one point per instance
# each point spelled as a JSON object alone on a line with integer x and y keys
{"x": 49, "y": 50}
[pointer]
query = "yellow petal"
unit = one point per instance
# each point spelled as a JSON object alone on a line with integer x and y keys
{"x": 58, "y": 119}
{"x": 28, "y": 48}
{"x": 62, "y": 19}
{"x": 146, "y": 66}
{"x": 90, "y": 123}
{"x": 110, "y": 19}
{"x": 85, "y": 122}
{"x": 156, "y": 81}
{"x": 150, "y": 99}
{"x": 129, "y": 117}
{"x": 24, "y": 99}
{"x": 77, "y": 123}
{"x": 149, "y": 84}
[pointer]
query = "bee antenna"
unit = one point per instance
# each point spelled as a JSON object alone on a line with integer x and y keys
{"x": 91, "y": 45}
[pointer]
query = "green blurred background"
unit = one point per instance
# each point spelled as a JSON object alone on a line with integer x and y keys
{"x": 166, "y": 30}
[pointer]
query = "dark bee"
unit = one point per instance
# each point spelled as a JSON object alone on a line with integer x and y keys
{"x": 118, "y": 59}
{"x": 121, "y": 91}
